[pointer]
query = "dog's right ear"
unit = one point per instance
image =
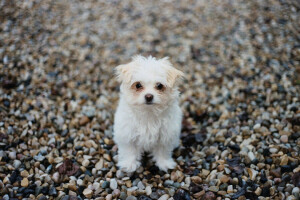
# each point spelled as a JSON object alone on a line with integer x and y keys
{"x": 123, "y": 72}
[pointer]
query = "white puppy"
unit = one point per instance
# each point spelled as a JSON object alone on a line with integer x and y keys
{"x": 148, "y": 117}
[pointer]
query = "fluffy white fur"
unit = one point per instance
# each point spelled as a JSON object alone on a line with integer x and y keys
{"x": 141, "y": 127}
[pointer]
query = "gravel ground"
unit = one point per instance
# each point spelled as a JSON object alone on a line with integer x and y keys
{"x": 241, "y": 127}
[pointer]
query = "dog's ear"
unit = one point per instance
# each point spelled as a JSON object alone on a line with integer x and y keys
{"x": 173, "y": 74}
{"x": 123, "y": 72}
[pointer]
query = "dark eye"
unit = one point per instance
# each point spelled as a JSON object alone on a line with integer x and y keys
{"x": 138, "y": 85}
{"x": 159, "y": 86}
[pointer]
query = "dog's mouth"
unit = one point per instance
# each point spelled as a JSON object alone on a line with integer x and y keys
{"x": 149, "y": 103}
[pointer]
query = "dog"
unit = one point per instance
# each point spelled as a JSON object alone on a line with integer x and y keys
{"x": 148, "y": 117}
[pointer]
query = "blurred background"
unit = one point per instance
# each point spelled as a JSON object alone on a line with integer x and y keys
{"x": 241, "y": 93}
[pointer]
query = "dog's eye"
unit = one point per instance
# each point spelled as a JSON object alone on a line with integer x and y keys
{"x": 159, "y": 86}
{"x": 138, "y": 85}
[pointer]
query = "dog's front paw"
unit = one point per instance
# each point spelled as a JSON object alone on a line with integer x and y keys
{"x": 166, "y": 164}
{"x": 128, "y": 165}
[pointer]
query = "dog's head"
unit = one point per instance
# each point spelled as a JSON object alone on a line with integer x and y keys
{"x": 148, "y": 81}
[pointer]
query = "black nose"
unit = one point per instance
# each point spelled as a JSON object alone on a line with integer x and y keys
{"x": 149, "y": 98}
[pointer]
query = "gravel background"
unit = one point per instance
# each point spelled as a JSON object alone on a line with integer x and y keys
{"x": 241, "y": 127}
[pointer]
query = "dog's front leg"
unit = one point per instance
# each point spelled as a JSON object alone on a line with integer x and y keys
{"x": 129, "y": 157}
{"x": 163, "y": 157}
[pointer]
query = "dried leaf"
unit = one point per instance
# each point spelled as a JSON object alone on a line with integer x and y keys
{"x": 235, "y": 166}
{"x": 296, "y": 179}
{"x": 68, "y": 168}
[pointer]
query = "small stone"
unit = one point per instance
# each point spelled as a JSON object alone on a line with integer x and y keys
{"x": 223, "y": 186}
{"x": 154, "y": 195}
{"x": 198, "y": 195}
{"x": 209, "y": 196}
{"x": 196, "y": 179}
{"x": 88, "y": 193}
{"x": 258, "y": 191}
{"x": 164, "y": 197}
{"x": 181, "y": 195}
{"x": 273, "y": 150}
{"x": 224, "y": 179}
{"x": 84, "y": 120}
{"x": 107, "y": 157}
{"x": 205, "y": 172}
{"x": 284, "y": 138}
{"x": 24, "y": 173}
{"x": 123, "y": 195}
{"x": 109, "y": 197}
{"x": 230, "y": 189}
{"x": 148, "y": 190}
{"x": 131, "y": 198}
{"x": 39, "y": 157}
{"x": 170, "y": 191}
{"x": 134, "y": 188}
{"x": 52, "y": 191}
{"x": 17, "y": 164}
{"x": 168, "y": 183}
{"x": 42, "y": 197}
{"x": 276, "y": 173}
{"x": 284, "y": 160}
{"x": 140, "y": 185}
{"x": 296, "y": 192}
{"x": 251, "y": 155}
{"x": 55, "y": 177}
{"x": 116, "y": 193}
{"x": 85, "y": 163}
{"x": 119, "y": 174}
{"x": 12, "y": 155}
{"x": 113, "y": 184}
{"x": 291, "y": 197}
{"x": 252, "y": 173}
{"x": 214, "y": 188}
{"x": 24, "y": 182}
{"x": 256, "y": 127}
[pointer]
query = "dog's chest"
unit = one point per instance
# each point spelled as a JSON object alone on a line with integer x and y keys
{"x": 148, "y": 133}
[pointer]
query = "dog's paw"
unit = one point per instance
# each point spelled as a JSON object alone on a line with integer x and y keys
{"x": 128, "y": 165}
{"x": 166, "y": 164}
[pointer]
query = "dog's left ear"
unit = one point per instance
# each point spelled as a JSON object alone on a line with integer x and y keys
{"x": 123, "y": 72}
{"x": 173, "y": 74}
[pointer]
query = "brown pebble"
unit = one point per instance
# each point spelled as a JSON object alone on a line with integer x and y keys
{"x": 84, "y": 120}
{"x": 24, "y": 182}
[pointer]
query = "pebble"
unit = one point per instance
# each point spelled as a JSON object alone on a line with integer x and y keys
{"x": 251, "y": 155}
{"x": 258, "y": 191}
{"x": 84, "y": 120}
{"x": 105, "y": 184}
{"x": 164, "y": 197}
{"x": 99, "y": 164}
{"x": 148, "y": 190}
{"x": 12, "y": 155}
{"x": 284, "y": 138}
{"x": 56, "y": 177}
{"x": 214, "y": 188}
{"x": 113, "y": 184}
{"x": 109, "y": 197}
{"x": 230, "y": 189}
{"x": 88, "y": 193}
{"x": 39, "y": 157}
{"x": 24, "y": 182}
{"x": 85, "y": 163}
{"x": 17, "y": 164}
{"x": 140, "y": 185}
{"x": 296, "y": 192}
{"x": 120, "y": 174}
{"x": 131, "y": 198}
{"x": 123, "y": 195}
